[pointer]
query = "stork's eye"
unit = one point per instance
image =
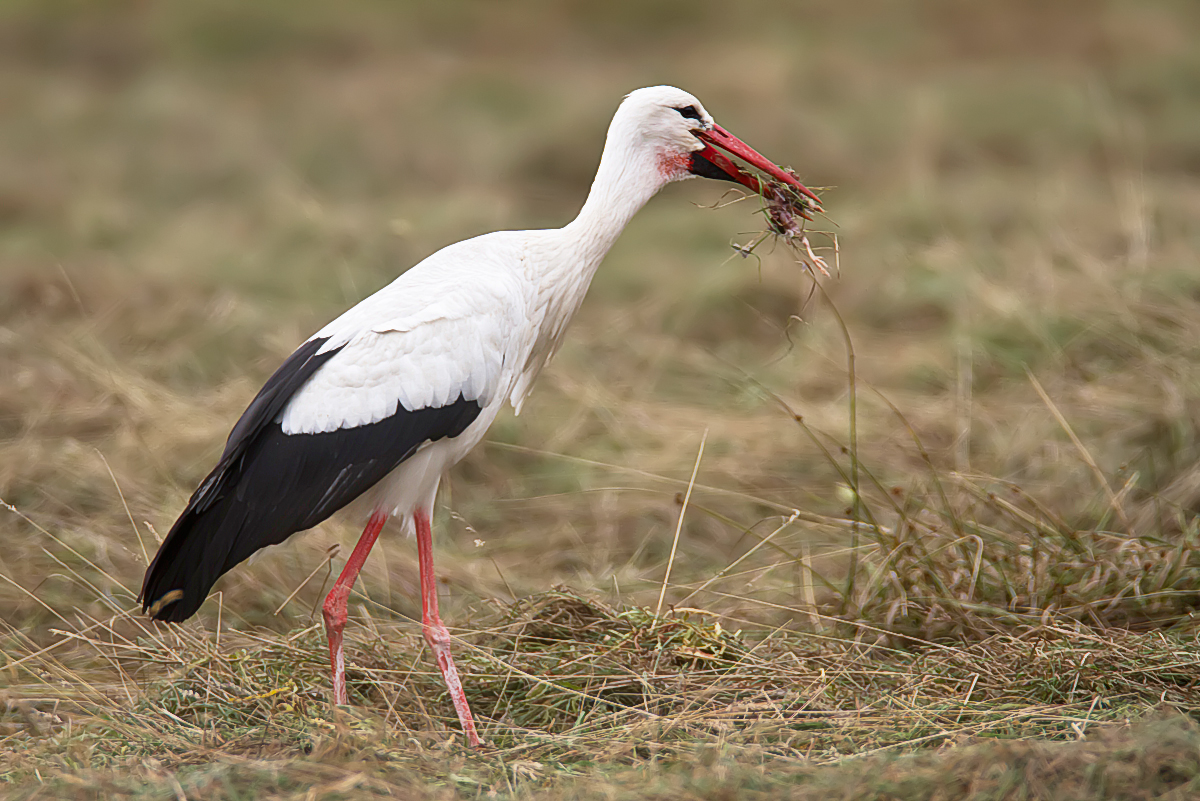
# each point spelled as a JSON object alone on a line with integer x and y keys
{"x": 689, "y": 112}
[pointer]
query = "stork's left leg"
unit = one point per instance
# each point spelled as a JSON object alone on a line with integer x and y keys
{"x": 334, "y": 609}
{"x": 435, "y": 633}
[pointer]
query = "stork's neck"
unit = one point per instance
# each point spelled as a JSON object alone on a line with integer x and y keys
{"x": 625, "y": 180}
{"x": 563, "y": 260}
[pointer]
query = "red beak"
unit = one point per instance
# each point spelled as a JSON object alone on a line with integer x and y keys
{"x": 719, "y": 137}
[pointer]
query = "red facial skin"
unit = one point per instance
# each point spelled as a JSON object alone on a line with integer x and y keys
{"x": 675, "y": 166}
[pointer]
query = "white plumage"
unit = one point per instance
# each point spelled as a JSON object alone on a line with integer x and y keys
{"x": 378, "y": 404}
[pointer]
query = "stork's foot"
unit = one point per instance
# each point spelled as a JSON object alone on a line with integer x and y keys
{"x": 335, "y": 623}
{"x": 439, "y": 642}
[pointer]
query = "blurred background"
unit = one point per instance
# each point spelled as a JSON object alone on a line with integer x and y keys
{"x": 189, "y": 189}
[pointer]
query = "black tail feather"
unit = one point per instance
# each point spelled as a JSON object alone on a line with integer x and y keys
{"x": 192, "y": 557}
{"x": 270, "y": 485}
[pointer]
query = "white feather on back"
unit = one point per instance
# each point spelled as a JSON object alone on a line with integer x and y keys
{"x": 399, "y": 348}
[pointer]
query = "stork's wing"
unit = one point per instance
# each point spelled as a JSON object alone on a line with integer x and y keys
{"x": 328, "y": 425}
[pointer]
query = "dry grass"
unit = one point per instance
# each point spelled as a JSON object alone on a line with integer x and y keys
{"x": 947, "y": 503}
{"x": 563, "y": 685}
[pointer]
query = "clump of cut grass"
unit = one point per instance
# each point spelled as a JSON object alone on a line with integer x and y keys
{"x": 787, "y": 212}
{"x": 580, "y": 658}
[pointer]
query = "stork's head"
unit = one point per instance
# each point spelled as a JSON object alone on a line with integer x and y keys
{"x": 682, "y": 139}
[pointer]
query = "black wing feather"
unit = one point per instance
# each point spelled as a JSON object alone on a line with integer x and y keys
{"x": 268, "y": 485}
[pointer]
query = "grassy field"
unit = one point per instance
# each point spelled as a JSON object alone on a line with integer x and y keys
{"x": 943, "y": 540}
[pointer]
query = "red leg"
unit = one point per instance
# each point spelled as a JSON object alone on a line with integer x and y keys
{"x": 334, "y": 609}
{"x": 435, "y": 633}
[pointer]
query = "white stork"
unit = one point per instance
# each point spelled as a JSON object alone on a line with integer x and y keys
{"x": 387, "y": 397}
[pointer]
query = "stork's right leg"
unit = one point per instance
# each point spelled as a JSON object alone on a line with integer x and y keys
{"x": 434, "y": 630}
{"x": 334, "y": 609}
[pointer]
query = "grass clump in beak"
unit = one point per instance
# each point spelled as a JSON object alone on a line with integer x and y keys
{"x": 787, "y": 212}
